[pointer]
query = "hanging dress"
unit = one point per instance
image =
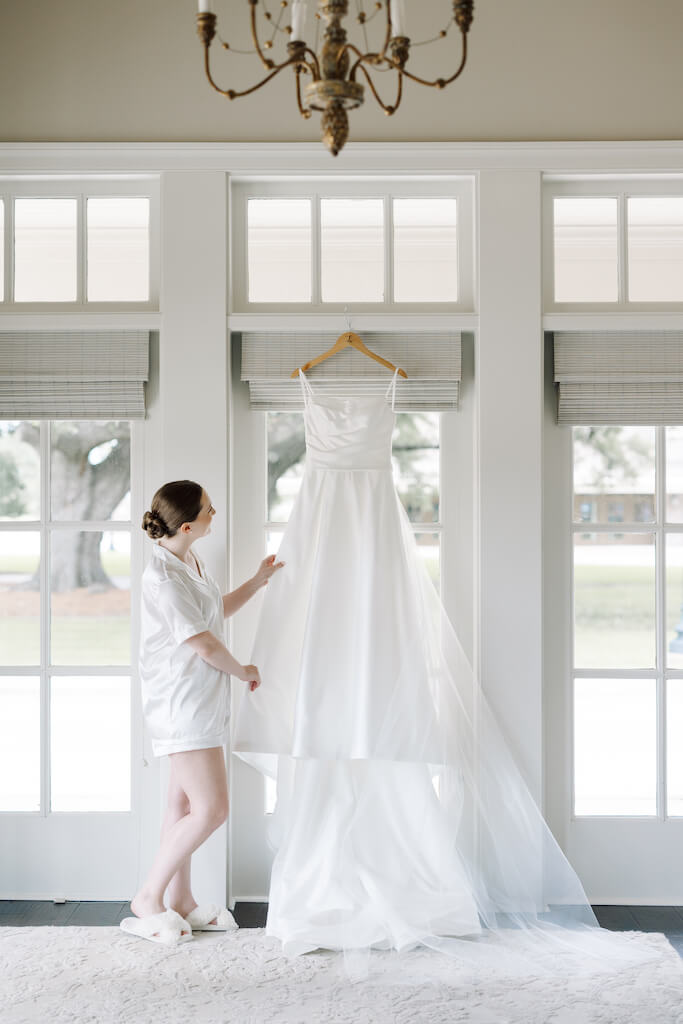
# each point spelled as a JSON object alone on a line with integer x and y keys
{"x": 401, "y": 816}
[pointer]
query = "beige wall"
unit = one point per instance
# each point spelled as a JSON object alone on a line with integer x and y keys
{"x": 131, "y": 70}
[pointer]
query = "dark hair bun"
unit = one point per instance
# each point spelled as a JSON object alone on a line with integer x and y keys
{"x": 154, "y": 525}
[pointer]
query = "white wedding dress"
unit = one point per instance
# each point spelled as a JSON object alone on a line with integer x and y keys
{"x": 401, "y": 817}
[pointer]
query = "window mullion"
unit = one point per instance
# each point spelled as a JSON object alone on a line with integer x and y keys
{"x": 81, "y": 255}
{"x": 44, "y": 616}
{"x": 660, "y": 617}
{"x": 622, "y": 236}
{"x": 9, "y": 248}
{"x": 316, "y": 269}
{"x": 389, "y": 297}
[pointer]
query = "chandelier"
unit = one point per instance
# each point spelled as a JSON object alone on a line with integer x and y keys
{"x": 332, "y": 74}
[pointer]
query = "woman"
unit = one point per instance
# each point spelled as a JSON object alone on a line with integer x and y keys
{"x": 184, "y": 669}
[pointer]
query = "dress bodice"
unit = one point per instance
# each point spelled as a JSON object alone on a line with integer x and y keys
{"x": 350, "y": 432}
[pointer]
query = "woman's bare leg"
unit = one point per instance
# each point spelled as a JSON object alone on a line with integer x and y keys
{"x": 179, "y": 892}
{"x": 201, "y": 776}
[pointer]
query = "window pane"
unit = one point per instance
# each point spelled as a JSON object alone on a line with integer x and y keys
{"x": 415, "y": 458}
{"x": 45, "y": 250}
{"x": 90, "y": 470}
{"x": 279, "y": 250}
{"x": 19, "y": 470}
{"x": 352, "y": 250}
{"x": 19, "y": 743}
{"x": 614, "y": 600}
{"x": 428, "y": 547}
{"x": 674, "y": 747}
{"x": 614, "y": 474}
{"x": 90, "y": 743}
{"x": 674, "y": 601}
{"x": 90, "y": 597}
{"x": 674, "y": 474}
{"x": 615, "y": 746}
{"x": 19, "y": 598}
{"x": 585, "y": 249}
{"x": 286, "y": 451}
{"x": 118, "y": 249}
{"x": 425, "y": 250}
{"x": 2, "y": 249}
{"x": 655, "y": 249}
{"x": 273, "y": 541}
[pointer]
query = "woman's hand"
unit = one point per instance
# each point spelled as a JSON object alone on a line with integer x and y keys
{"x": 266, "y": 569}
{"x": 250, "y": 674}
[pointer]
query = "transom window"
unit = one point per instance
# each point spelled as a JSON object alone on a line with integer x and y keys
{"x": 614, "y": 245}
{"x": 308, "y": 246}
{"x": 78, "y": 245}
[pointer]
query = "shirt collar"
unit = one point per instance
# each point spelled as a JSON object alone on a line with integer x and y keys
{"x": 173, "y": 560}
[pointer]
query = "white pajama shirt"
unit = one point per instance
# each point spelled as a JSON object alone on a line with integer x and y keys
{"x": 185, "y": 701}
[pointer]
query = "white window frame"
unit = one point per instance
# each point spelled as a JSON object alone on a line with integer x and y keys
{"x": 80, "y": 189}
{"x": 598, "y": 186}
{"x": 459, "y": 188}
{"x": 661, "y": 673}
{"x": 45, "y": 670}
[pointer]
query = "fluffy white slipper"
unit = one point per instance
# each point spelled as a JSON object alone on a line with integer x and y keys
{"x": 169, "y": 925}
{"x": 199, "y": 919}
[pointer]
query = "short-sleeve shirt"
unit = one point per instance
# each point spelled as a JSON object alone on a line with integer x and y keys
{"x": 185, "y": 701}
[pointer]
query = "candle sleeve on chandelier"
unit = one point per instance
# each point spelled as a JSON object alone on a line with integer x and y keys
{"x": 298, "y": 20}
{"x": 205, "y": 7}
{"x": 398, "y": 18}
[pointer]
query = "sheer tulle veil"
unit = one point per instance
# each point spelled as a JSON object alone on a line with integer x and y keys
{"x": 423, "y": 831}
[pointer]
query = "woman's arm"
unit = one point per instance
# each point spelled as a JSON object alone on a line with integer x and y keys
{"x": 236, "y": 598}
{"x": 233, "y": 601}
{"x": 215, "y": 653}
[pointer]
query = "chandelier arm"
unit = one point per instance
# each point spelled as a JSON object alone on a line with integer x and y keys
{"x": 385, "y": 107}
{"x": 372, "y": 58}
{"x": 316, "y": 72}
{"x": 232, "y": 94}
{"x": 304, "y": 111}
{"x": 266, "y": 61}
{"x": 349, "y": 47}
{"x": 440, "y": 83}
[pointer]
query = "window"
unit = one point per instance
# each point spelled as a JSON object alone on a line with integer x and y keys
{"x": 65, "y": 566}
{"x": 585, "y": 249}
{"x": 628, "y": 627}
{"x": 613, "y": 245}
{"x": 376, "y": 246}
{"x": 655, "y": 248}
{"x": 279, "y": 250}
{"x": 79, "y": 245}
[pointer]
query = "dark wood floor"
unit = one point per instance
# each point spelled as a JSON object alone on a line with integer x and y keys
{"x": 668, "y": 920}
{"x": 96, "y": 912}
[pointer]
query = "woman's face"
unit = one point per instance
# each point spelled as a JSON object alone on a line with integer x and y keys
{"x": 202, "y": 524}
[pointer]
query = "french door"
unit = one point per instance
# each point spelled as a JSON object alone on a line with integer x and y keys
{"x": 619, "y": 721}
{"x": 70, "y": 723}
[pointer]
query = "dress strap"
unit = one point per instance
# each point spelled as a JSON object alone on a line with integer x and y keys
{"x": 392, "y": 388}
{"x": 305, "y": 387}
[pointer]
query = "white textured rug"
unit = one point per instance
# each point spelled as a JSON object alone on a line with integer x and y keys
{"x": 103, "y": 976}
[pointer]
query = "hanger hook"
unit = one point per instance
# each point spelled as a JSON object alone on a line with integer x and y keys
{"x": 346, "y": 318}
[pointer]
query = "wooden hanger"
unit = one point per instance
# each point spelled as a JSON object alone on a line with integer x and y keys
{"x": 343, "y": 341}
